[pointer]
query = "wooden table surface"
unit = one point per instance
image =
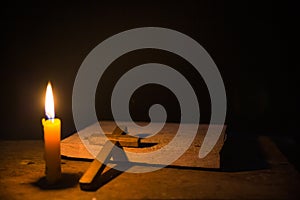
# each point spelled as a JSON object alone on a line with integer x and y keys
{"x": 259, "y": 173}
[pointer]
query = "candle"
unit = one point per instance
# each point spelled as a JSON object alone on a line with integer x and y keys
{"x": 51, "y": 139}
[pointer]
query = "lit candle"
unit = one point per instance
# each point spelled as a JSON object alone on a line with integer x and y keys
{"x": 51, "y": 139}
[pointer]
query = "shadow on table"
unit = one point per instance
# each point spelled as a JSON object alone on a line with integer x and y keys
{"x": 68, "y": 180}
{"x": 242, "y": 153}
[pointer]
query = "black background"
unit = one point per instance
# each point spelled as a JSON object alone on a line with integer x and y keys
{"x": 253, "y": 44}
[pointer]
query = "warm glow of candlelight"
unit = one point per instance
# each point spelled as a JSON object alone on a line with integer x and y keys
{"x": 49, "y": 102}
{"x": 52, "y": 128}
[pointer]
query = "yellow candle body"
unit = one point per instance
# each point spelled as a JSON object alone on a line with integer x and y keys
{"x": 52, "y": 149}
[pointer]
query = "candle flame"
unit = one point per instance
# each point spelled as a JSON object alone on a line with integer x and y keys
{"x": 49, "y": 102}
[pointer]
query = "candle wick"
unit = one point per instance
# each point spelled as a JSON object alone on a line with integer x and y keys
{"x": 49, "y": 118}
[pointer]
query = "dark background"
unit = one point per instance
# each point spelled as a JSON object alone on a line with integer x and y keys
{"x": 252, "y": 43}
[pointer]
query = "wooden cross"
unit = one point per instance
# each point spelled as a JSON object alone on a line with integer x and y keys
{"x": 118, "y": 138}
